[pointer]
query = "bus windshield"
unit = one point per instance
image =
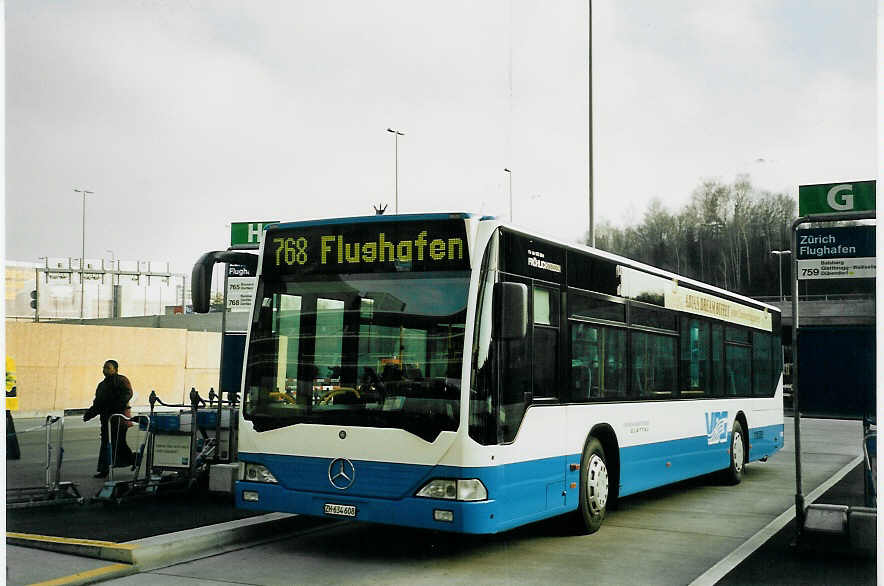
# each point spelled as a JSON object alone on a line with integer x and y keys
{"x": 358, "y": 349}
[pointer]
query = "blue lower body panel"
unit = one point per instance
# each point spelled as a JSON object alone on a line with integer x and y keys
{"x": 383, "y": 492}
{"x": 653, "y": 465}
{"x": 519, "y": 493}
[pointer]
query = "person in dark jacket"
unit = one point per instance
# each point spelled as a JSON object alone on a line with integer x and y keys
{"x": 111, "y": 396}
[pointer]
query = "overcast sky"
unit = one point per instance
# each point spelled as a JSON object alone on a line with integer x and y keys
{"x": 185, "y": 116}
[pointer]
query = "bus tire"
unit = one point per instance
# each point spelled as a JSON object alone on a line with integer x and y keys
{"x": 734, "y": 473}
{"x": 593, "y": 488}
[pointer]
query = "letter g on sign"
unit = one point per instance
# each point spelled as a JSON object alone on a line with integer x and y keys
{"x": 846, "y": 202}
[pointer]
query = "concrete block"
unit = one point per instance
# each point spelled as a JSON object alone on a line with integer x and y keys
{"x": 222, "y": 477}
{"x": 826, "y": 519}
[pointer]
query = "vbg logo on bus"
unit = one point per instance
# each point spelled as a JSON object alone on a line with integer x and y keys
{"x": 716, "y": 427}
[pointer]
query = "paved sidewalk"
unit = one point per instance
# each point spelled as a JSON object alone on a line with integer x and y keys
{"x": 779, "y": 561}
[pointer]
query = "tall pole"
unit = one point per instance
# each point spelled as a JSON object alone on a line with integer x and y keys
{"x": 396, "y": 135}
{"x": 83, "y": 251}
{"x": 780, "y": 274}
{"x": 591, "y": 175}
{"x": 509, "y": 174}
{"x": 779, "y": 254}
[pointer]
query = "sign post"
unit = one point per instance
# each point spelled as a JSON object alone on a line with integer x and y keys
{"x": 831, "y": 202}
{"x": 247, "y": 234}
{"x": 833, "y": 198}
{"x": 239, "y": 284}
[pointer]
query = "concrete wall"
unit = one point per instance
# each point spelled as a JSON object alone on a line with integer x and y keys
{"x": 59, "y": 365}
{"x": 197, "y": 322}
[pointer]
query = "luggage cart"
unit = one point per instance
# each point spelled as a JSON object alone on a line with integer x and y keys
{"x": 190, "y": 442}
{"x": 115, "y": 490}
{"x": 53, "y": 491}
{"x": 224, "y": 467}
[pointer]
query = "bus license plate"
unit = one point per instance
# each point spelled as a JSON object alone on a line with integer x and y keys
{"x": 340, "y": 510}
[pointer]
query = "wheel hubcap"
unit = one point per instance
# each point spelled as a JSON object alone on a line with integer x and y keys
{"x": 738, "y": 451}
{"x": 596, "y": 485}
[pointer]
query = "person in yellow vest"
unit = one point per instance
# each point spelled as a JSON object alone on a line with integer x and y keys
{"x": 12, "y": 449}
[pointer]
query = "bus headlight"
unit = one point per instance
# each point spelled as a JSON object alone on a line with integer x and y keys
{"x": 258, "y": 473}
{"x": 469, "y": 489}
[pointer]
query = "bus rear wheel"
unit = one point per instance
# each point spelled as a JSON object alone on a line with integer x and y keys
{"x": 733, "y": 474}
{"x": 593, "y": 488}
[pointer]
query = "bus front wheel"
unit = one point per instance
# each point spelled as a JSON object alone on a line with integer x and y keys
{"x": 593, "y": 488}
{"x": 733, "y": 474}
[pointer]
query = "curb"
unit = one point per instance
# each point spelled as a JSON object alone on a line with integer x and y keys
{"x": 151, "y": 552}
{"x": 163, "y": 550}
{"x": 92, "y": 576}
{"x": 90, "y": 548}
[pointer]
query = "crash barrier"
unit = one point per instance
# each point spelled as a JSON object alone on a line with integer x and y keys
{"x": 53, "y": 490}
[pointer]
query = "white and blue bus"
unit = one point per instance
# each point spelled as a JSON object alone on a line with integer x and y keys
{"x": 450, "y": 372}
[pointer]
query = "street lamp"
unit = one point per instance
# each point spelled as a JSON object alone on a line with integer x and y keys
{"x": 83, "y": 250}
{"x": 509, "y": 174}
{"x": 780, "y": 254}
{"x": 396, "y": 135}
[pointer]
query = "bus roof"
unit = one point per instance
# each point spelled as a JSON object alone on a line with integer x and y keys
{"x": 640, "y": 265}
{"x": 524, "y": 231}
{"x": 376, "y": 218}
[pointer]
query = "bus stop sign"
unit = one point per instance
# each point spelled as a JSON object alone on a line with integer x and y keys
{"x": 247, "y": 234}
{"x": 836, "y": 253}
{"x": 831, "y": 198}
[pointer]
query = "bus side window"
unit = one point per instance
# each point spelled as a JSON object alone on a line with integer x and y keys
{"x": 761, "y": 365}
{"x": 694, "y": 367}
{"x": 653, "y": 365}
{"x": 598, "y": 355}
{"x": 738, "y": 362}
{"x": 546, "y": 342}
{"x": 717, "y": 361}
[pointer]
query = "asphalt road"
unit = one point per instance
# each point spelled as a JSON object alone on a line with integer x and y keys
{"x": 669, "y": 536}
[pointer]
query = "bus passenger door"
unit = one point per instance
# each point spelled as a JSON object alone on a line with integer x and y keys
{"x": 548, "y": 393}
{"x": 531, "y": 418}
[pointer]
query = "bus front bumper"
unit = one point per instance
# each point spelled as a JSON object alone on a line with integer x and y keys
{"x": 424, "y": 513}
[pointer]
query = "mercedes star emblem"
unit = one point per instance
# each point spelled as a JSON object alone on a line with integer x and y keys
{"x": 341, "y": 473}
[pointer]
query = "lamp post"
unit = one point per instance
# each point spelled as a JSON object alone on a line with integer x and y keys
{"x": 396, "y": 135}
{"x": 83, "y": 251}
{"x": 591, "y": 170}
{"x": 509, "y": 174}
{"x": 780, "y": 254}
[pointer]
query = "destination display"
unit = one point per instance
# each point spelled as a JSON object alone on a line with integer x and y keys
{"x": 841, "y": 242}
{"x": 846, "y": 252}
{"x": 240, "y": 283}
{"x": 367, "y": 247}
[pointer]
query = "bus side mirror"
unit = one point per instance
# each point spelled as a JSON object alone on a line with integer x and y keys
{"x": 201, "y": 276}
{"x": 201, "y": 282}
{"x": 510, "y": 309}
